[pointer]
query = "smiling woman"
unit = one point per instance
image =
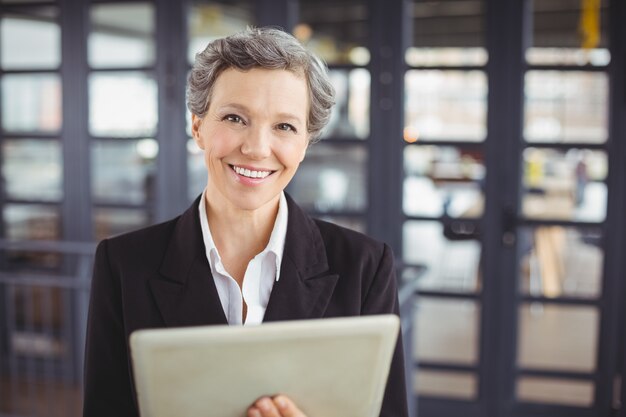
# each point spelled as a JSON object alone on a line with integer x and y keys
{"x": 244, "y": 253}
{"x": 254, "y": 137}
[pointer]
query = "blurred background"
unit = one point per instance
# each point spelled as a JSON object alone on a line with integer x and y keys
{"x": 485, "y": 140}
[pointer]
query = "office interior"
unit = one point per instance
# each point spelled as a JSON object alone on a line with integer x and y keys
{"x": 484, "y": 140}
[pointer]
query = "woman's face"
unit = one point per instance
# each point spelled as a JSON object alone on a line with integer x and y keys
{"x": 254, "y": 136}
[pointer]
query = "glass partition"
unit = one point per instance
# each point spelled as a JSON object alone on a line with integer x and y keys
{"x": 32, "y": 169}
{"x": 122, "y": 35}
{"x": 445, "y": 105}
{"x": 30, "y": 39}
{"x": 336, "y": 31}
{"x": 31, "y": 103}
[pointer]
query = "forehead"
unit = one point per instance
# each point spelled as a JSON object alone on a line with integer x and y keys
{"x": 262, "y": 89}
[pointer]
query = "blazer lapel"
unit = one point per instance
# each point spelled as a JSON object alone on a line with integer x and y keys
{"x": 305, "y": 285}
{"x": 185, "y": 293}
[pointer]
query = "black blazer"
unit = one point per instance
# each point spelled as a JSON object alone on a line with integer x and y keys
{"x": 160, "y": 277}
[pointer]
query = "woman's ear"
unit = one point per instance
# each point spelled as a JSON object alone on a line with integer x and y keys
{"x": 196, "y": 123}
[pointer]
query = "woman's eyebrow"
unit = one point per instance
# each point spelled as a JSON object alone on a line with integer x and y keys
{"x": 235, "y": 106}
{"x": 242, "y": 108}
{"x": 289, "y": 116}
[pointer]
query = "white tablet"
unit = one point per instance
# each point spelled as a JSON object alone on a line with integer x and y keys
{"x": 329, "y": 367}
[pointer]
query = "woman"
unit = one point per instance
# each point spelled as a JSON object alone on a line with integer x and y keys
{"x": 244, "y": 252}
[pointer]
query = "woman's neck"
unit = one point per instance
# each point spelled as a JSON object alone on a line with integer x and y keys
{"x": 238, "y": 233}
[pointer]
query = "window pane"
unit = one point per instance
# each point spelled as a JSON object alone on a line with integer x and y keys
{"x": 124, "y": 171}
{"x": 447, "y": 33}
{"x": 569, "y": 107}
{"x": 122, "y": 104}
{"x": 460, "y": 385}
{"x": 122, "y": 35}
{"x": 560, "y": 261}
{"x": 211, "y": 20}
{"x": 443, "y": 180}
{"x": 564, "y": 185}
{"x": 350, "y": 117}
{"x": 31, "y": 103}
{"x": 111, "y": 222}
{"x": 557, "y": 337}
{"x": 447, "y": 330}
{"x": 331, "y": 179}
{"x": 555, "y": 391}
{"x": 557, "y": 33}
{"x": 30, "y": 40}
{"x": 425, "y": 244}
{"x": 31, "y": 222}
{"x": 336, "y": 31}
{"x": 32, "y": 170}
{"x": 445, "y": 105}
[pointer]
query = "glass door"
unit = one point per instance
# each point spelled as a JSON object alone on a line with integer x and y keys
{"x": 445, "y": 119}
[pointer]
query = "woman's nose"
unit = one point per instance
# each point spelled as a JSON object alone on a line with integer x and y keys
{"x": 257, "y": 144}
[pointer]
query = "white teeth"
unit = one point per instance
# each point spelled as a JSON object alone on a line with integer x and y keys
{"x": 251, "y": 174}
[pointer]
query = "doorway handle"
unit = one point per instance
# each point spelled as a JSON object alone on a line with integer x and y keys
{"x": 509, "y": 226}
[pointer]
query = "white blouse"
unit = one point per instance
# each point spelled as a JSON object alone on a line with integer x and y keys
{"x": 261, "y": 273}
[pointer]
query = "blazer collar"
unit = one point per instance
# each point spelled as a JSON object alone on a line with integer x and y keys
{"x": 305, "y": 284}
{"x": 186, "y": 294}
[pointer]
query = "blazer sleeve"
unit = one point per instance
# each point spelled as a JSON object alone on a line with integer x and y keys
{"x": 382, "y": 298}
{"x": 107, "y": 385}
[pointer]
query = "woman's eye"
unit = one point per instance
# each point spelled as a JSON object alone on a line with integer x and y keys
{"x": 233, "y": 118}
{"x": 287, "y": 127}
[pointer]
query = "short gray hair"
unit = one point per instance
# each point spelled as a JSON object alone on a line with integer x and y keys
{"x": 266, "y": 48}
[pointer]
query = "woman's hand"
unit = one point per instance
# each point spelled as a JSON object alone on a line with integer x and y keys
{"x": 277, "y": 406}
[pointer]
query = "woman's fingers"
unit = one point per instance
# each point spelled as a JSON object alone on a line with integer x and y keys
{"x": 286, "y": 407}
{"x": 278, "y": 406}
{"x": 264, "y": 407}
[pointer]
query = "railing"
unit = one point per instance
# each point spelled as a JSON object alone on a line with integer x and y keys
{"x": 44, "y": 296}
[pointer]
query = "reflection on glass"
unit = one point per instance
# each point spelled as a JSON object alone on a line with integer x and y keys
{"x": 447, "y": 33}
{"x": 122, "y": 35}
{"x": 424, "y": 243}
{"x": 558, "y": 261}
{"x": 123, "y": 172}
{"x": 350, "y": 117}
{"x": 110, "y": 222}
{"x": 447, "y": 330}
{"x": 566, "y": 107}
{"x": 557, "y": 337}
{"x": 216, "y": 19}
{"x": 555, "y": 391}
{"x": 336, "y": 31}
{"x": 564, "y": 185}
{"x": 31, "y": 169}
{"x": 122, "y": 104}
{"x": 31, "y": 103}
{"x": 331, "y": 179}
{"x": 460, "y": 385}
{"x": 557, "y": 36}
{"x": 31, "y": 222}
{"x": 29, "y": 41}
{"x": 568, "y": 56}
{"x": 443, "y": 180}
{"x": 430, "y": 57}
{"x": 445, "y": 105}
{"x": 196, "y": 170}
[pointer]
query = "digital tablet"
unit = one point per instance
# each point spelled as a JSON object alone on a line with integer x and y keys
{"x": 335, "y": 367}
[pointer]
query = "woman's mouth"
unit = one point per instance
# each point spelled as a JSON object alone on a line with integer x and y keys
{"x": 251, "y": 173}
